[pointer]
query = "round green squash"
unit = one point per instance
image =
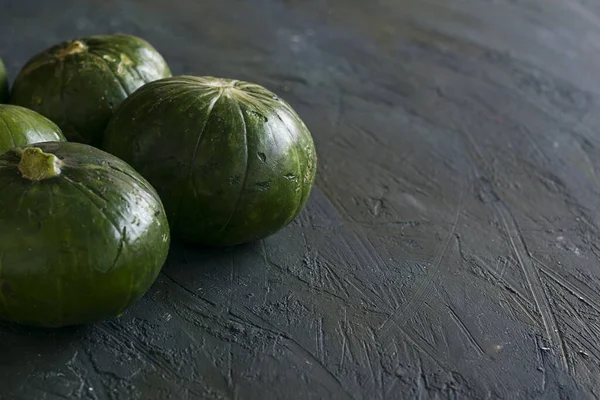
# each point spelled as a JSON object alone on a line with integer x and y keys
{"x": 3, "y": 83}
{"x": 20, "y": 126}
{"x": 78, "y": 84}
{"x": 232, "y": 161}
{"x": 82, "y": 235}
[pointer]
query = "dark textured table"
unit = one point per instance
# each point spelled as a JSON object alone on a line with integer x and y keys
{"x": 449, "y": 249}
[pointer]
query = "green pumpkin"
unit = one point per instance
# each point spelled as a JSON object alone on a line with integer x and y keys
{"x": 20, "y": 126}
{"x": 232, "y": 161}
{"x": 3, "y": 83}
{"x": 82, "y": 235}
{"x": 78, "y": 84}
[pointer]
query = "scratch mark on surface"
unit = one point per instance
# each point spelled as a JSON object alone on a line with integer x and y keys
{"x": 375, "y": 378}
{"x": 319, "y": 340}
{"x": 373, "y": 253}
{"x": 541, "y": 358}
{"x": 266, "y": 267}
{"x": 249, "y": 317}
{"x": 394, "y": 297}
{"x": 508, "y": 283}
{"x": 187, "y": 290}
{"x": 300, "y": 351}
{"x": 291, "y": 344}
{"x": 125, "y": 339}
{"x": 418, "y": 344}
{"x": 520, "y": 303}
{"x": 339, "y": 282}
{"x": 231, "y": 279}
{"x": 359, "y": 290}
{"x": 513, "y": 296}
{"x": 466, "y": 332}
{"x": 343, "y": 329}
{"x": 573, "y": 289}
{"x": 533, "y": 280}
{"x": 424, "y": 287}
{"x": 503, "y": 270}
{"x": 230, "y": 382}
{"x": 367, "y": 352}
{"x": 390, "y": 388}
{"x": 525, "y": 262}
{"x": 80, "y": 378}
{"x": 591, "y": 336}
{"x": 421, "y": 345}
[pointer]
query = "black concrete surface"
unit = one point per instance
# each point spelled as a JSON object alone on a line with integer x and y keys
{"x": 450, "y": 248}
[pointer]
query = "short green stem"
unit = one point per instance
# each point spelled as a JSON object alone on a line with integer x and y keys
{"x": 36, "y": 165}
{"x": 76, "y": 46}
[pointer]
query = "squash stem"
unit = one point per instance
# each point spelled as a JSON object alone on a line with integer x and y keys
{"x": 36, "y": 165}
{"x": 76, "y": 46}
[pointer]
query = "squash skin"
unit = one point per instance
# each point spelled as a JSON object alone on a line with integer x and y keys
{"x": 78, "y": 84}
{"x": 80, "y": 247}
{"x": 20, "y": 127}
{"x": 232, "y": 162}
{"x": 3, "y": 84}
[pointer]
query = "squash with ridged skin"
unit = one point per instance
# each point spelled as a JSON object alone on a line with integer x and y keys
{"x": 78, "y": 84}
{"x": 3, "y": 83}
{"x": 20, "y": 126}
{"x": 82, "y": 235}
{"x": 232, "y": 161}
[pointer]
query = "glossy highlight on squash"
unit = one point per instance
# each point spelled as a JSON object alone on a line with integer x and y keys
{"x": 20, "y": 126}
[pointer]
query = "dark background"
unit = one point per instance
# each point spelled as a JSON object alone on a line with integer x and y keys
{"x": 449, "y": 248}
